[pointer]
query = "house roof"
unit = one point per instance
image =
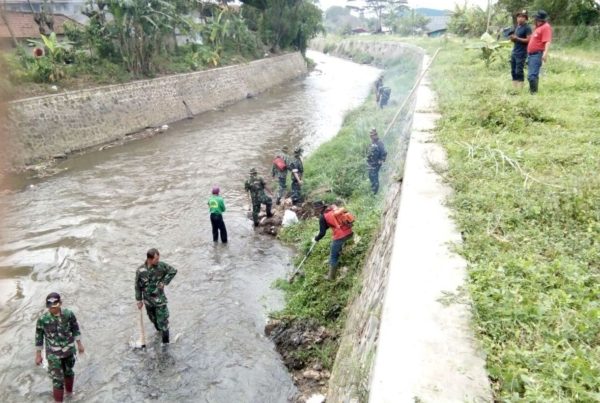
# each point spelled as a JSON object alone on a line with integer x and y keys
{"x": 437, "y": 23}
{"x": 24, "y": 26}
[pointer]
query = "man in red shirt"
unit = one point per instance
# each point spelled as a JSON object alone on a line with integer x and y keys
{"x": 537, "y": 49}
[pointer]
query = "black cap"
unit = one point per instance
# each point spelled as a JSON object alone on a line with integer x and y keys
{"x": 522, "y": 13}
{"x": 52, "y": 300}
{"x": 540, "y": 15}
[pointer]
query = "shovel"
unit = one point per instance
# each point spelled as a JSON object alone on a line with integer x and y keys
{"x": 142, "y": 342}
{"x": 297, "y": 271}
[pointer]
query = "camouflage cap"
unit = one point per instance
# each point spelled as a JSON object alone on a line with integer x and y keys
{"x": 53, "y": 300}
{"x": 373, "y": 132}
{"x": 253, "y": 171}
{"x": 298, "y": 150}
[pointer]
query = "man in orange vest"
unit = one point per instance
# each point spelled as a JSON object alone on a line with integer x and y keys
{"x": 336, "y": 219}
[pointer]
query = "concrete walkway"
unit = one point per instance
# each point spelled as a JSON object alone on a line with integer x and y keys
{"x": 426, "y": 351}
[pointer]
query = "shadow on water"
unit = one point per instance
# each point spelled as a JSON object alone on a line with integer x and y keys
{"x": 84, "y": 231}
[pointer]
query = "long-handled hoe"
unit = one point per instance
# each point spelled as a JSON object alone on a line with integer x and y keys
{"x": 297, "y": 271}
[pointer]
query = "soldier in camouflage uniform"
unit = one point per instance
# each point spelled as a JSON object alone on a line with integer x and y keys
{"x": 375, "y": 158}
{"x": 281, "y": 175}
{"x": 256, "y": 186}
{"x": 150, "y": 281}
{"x": 59, "y": 330}
{"x": 297, "y": 169}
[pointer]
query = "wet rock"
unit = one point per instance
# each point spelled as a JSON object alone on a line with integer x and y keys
{"x": 311, "y": 374}
{"x": 271, "y": 325}
{"x": 318, "y": 367}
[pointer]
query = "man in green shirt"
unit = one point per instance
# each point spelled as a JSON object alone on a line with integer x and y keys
{"x": 150, "y": 281}
{"x": 59, "y": 331}
{"x": 216, "y": 205}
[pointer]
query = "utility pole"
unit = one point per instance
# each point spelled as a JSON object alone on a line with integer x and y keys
{"x": 489, "y": 19}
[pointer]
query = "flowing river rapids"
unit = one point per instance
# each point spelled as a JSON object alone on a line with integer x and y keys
{"x": 83, "y": 231}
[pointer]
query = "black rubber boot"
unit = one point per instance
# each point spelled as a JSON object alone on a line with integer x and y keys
{"x": 331, "y": 274}
{"x": 165, "y": 336}
{"x": 269, "y": 213}
{"x": 533, "y": 86}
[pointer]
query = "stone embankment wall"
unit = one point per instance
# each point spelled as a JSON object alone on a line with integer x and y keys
{"x": 353, "y": 366}
{"x": 47, "y": 126}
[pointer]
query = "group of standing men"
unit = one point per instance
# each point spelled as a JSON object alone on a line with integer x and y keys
{"x": 531, "y": 46}
{"x": 282, "y": 165}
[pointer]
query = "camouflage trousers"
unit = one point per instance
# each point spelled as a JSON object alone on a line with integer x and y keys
{"x": 159, "y": 316}
{"x": 59, "y": 369}
{"x": 296, "y": 192}
{"x": 282, "y": 187}
{"x": 257, "y": 201}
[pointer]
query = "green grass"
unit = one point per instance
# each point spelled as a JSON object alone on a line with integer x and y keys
{"x": 524, "y": 170}
{"x": 527, "y": 199}
{"x": 336, "y": 171}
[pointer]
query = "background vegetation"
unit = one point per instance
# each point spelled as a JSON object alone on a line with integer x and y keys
{"x": 142, "y": 38}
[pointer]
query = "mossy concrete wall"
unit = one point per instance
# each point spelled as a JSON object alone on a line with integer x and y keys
{"x": 351, "y": 373}
{"x": 46, "y": 126}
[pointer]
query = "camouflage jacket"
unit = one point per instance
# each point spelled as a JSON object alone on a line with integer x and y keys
{"x": 296, "y": 164}
{"x": 58, "y": 332}
{"x": 376, "y": 154}
{"x": 255, "y": 185}
{"x": 147, "y": 280}
{"x": 281, "y": 174}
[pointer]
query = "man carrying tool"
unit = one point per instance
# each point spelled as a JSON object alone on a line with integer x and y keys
{"x": 150, "y": 281}
{"x": 257, "y": 186}
{"x": 375, "y": 158}
{"x": 216, "y": 205}
{"x": 297, "y": 168}
{"x": 280, "y": 169}
{"x": 59, "y": 330}
{"x": 340, "y": 221}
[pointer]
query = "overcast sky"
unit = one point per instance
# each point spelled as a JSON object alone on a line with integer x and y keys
{"x": 439, "y": 4}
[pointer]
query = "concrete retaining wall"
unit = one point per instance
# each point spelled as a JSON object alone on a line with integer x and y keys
{"x": 46, "y": 126}
{"x": 401, "y": 343}
{"x": 351, "y": 374}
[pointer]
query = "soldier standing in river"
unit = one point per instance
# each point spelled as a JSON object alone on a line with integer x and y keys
{"x": 280, "y": 169}
{"x": 297, "y": 169}
{"x": 150, "y": 281}
{"x": 257, "y": 186}
{"x": 375, "y": 158}
{"x": 59, "y": 331}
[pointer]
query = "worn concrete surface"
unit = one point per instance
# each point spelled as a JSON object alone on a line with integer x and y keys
{"x": 426, "y": 350}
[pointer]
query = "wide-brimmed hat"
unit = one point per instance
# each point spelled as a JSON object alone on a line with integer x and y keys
{"x": 53, "y": 300}
{"x": 540, "y": 15}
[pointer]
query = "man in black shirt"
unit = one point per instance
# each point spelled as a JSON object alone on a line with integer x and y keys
{"x": 519, "y": 53}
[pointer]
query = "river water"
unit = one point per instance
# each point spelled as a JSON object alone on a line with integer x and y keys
{"x": 83, "y": 232}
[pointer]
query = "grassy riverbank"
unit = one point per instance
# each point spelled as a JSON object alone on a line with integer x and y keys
{"x": 526, "y": 197}
{"x": 336, "y": 171}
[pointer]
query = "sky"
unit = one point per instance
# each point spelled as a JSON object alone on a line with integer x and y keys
{"x": 439, "y": 4}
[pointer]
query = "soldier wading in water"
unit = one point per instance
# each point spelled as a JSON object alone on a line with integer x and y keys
{"x": 256, "y": 186}
{"x": 150, "y": 281}
{"x": 59, "y": 330}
